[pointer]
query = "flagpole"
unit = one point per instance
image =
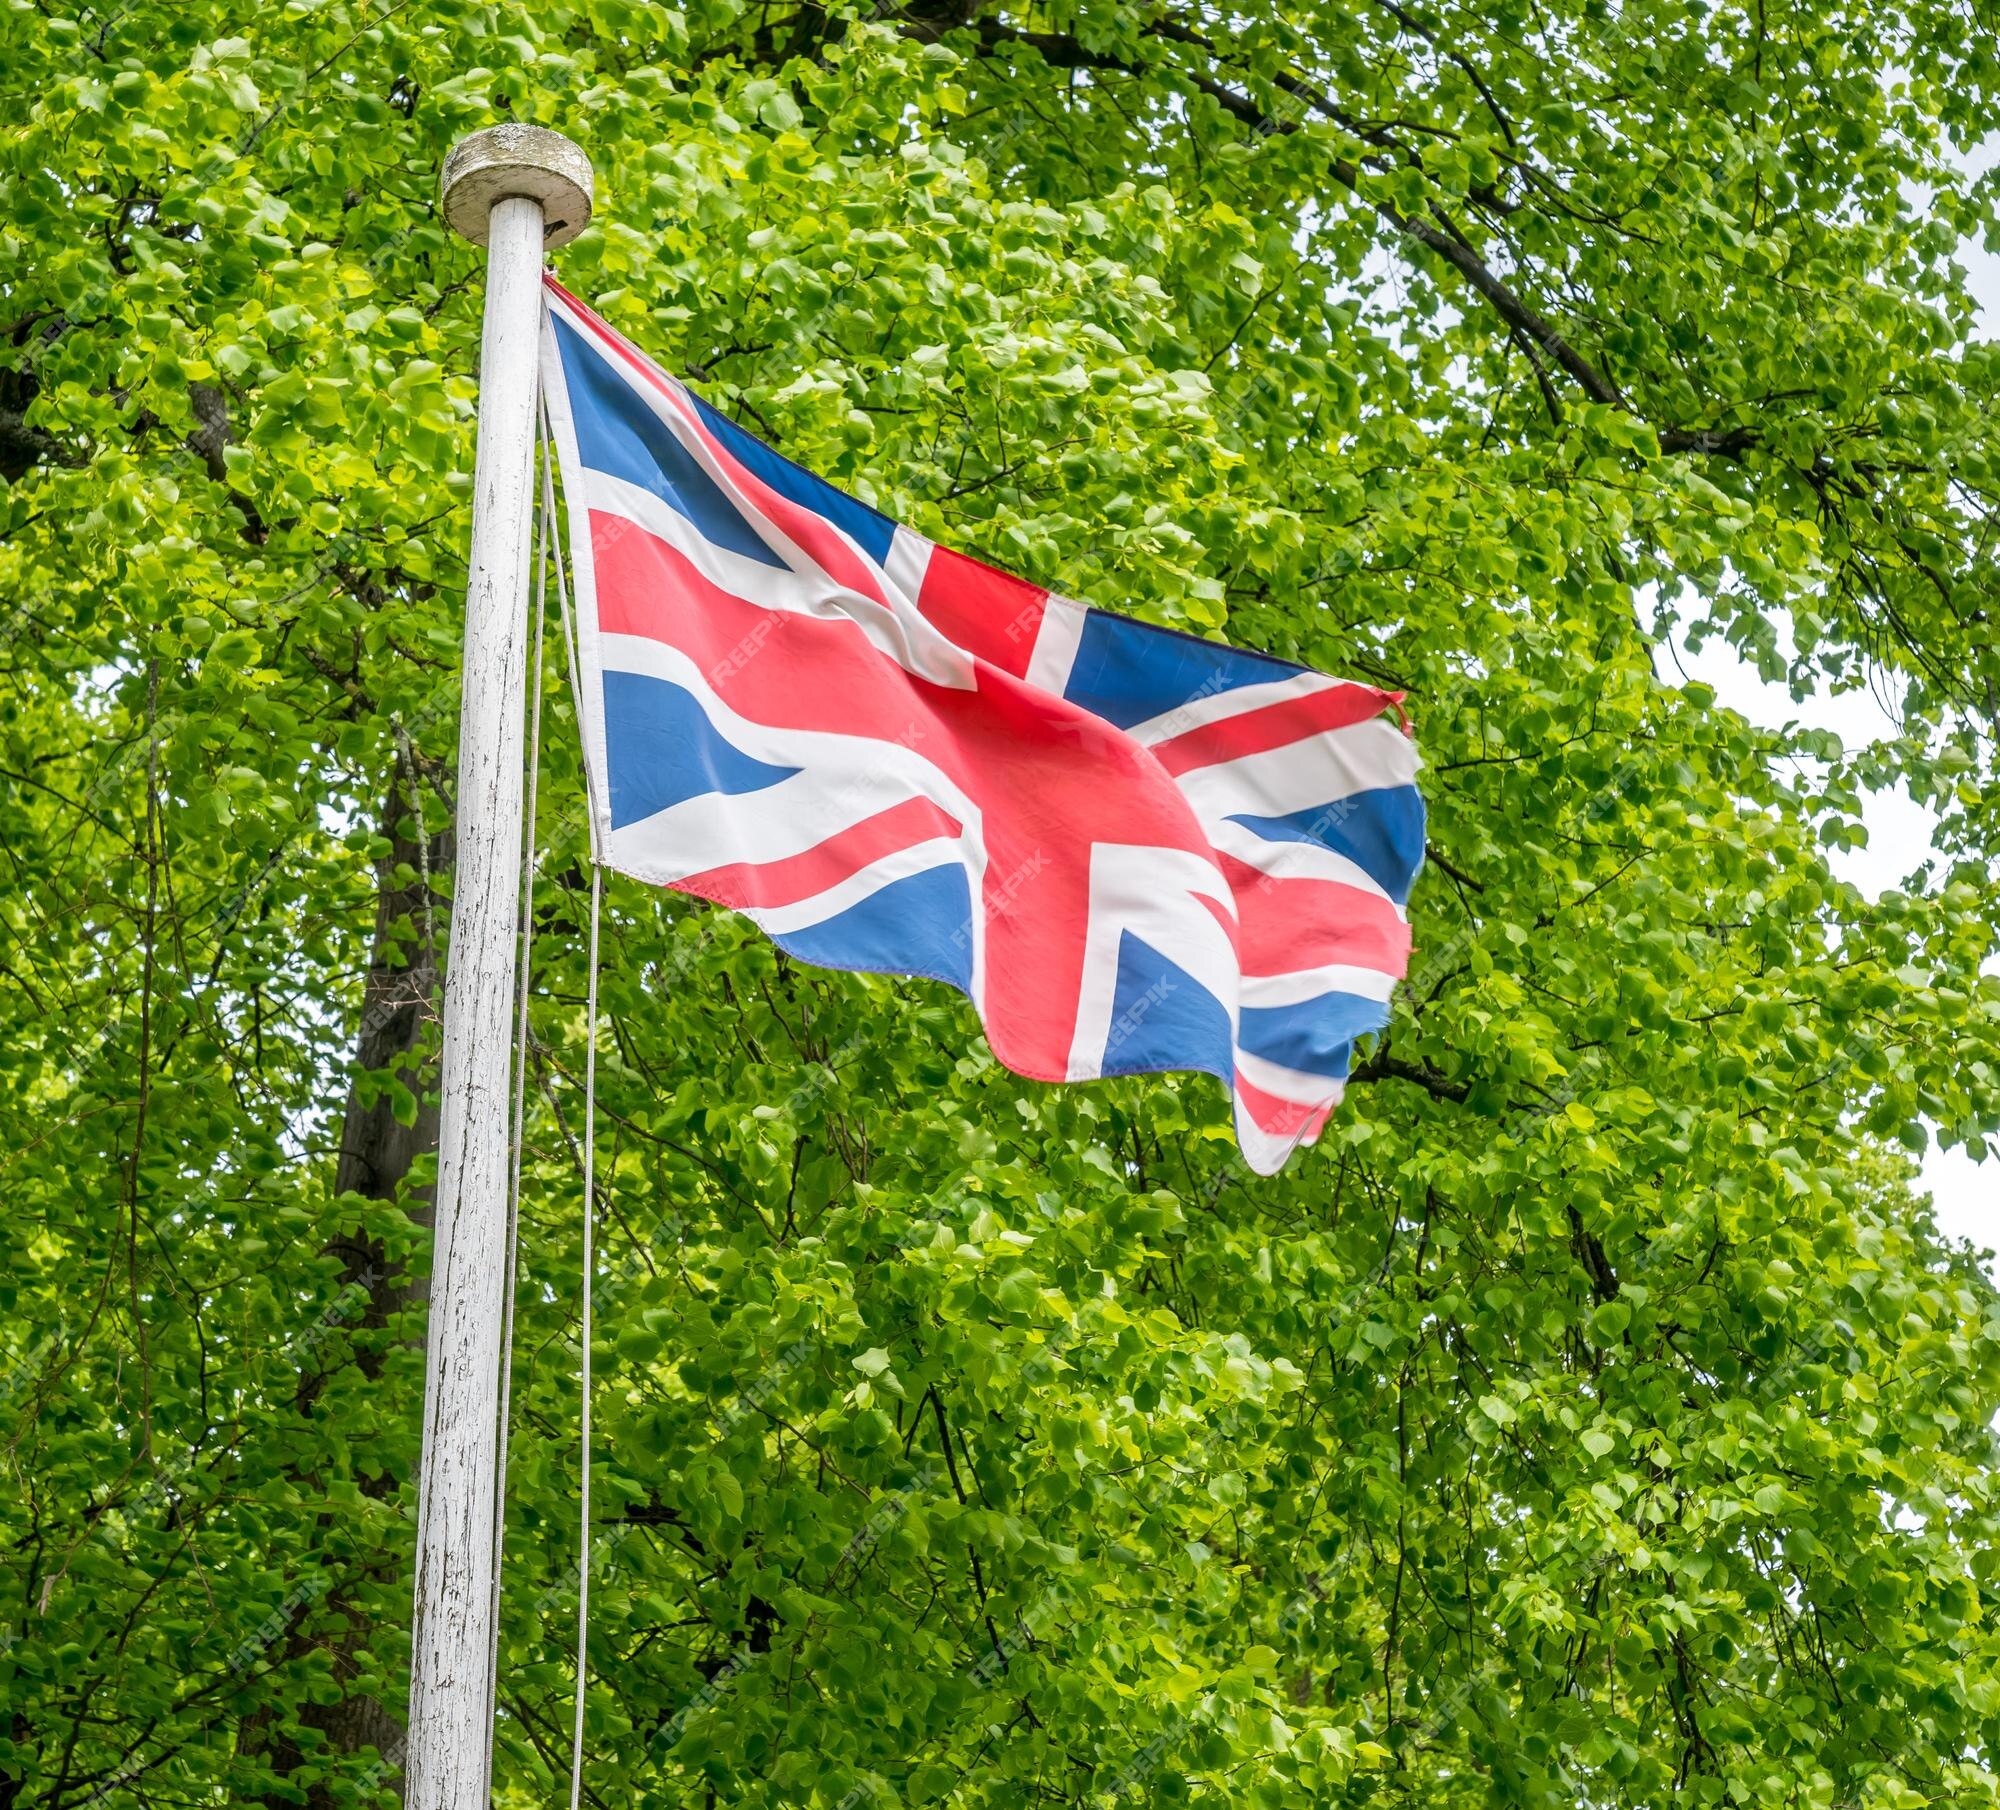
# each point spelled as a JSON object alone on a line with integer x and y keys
{"x": 513, "y": 189}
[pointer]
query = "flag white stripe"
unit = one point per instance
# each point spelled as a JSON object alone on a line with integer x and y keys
{"x": 1302, "y": 984}
{"x": 1293, "y": 860}
{"x": 909, "y": 559}
{"x": 903, "y": 634}
{"x": 1153, "y": 893}
{"x": 1056, "y": 642}
{"x": 583, "y": 576}
{"x": 1216, "y": 706}
{"x": 1266, "y": 1152}
{"x": 789, "y": 746}
{"x": 1315, "y": 771}
{"x": 1284, "y": 1083}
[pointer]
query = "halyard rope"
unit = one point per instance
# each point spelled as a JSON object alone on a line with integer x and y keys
{"x": 589, "y": 1146}
{"x": 544, "y": 528}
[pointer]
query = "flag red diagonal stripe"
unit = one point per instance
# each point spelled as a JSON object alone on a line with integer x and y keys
{"x": 749, "y": 885}
{"x": 1288, "y": 924}
{"x": 1281, "y": 1118}
{"x": 1274, "y": 726}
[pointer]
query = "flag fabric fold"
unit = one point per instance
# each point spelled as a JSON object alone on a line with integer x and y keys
{"x": 1131, "y": 849}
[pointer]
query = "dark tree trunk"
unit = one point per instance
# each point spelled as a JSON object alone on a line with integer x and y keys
{"x": 377, "y": 1154}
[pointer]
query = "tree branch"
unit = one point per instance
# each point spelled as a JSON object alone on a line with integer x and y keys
{"x": 1061, "y": 51}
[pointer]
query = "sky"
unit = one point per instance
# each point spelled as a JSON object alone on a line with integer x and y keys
{"x": 1966, "y": 1194}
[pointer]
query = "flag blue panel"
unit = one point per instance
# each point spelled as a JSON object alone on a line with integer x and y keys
{"x": 918, "y": 925}
{"x": 662, "y": 748}
{"x": 1128, "y": 672}
{"x": 616, "y": 433}
{"x": 1162, "y": 1016}
{"x": 871, "y": 531}
{"x": 1381, "y": 831}
{"x": 1314, "y": 1036}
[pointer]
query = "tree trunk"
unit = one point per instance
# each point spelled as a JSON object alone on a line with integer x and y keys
{"x": 377, "y": 1153}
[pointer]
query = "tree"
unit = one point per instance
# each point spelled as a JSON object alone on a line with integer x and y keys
{"x": 1596, "y": 1418}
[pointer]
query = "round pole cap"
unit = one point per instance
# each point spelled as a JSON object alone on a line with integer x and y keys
{"x": 513, "y": 159}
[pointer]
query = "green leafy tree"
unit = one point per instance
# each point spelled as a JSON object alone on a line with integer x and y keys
{"x": 1596, "y": 1417}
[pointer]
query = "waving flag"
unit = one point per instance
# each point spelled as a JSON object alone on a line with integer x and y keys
{"x": 1131, "y": 849}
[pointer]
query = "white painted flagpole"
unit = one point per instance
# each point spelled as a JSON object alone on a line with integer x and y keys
{"x": 514, "y": 189}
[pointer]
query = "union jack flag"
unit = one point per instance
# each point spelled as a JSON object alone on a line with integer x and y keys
{"x": 1131, "y": 849}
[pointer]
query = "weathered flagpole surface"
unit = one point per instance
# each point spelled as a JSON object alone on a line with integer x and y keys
{"x": 513, "y": 189}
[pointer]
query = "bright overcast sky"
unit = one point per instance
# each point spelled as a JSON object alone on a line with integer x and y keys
{"x": 1967, "y": 1194}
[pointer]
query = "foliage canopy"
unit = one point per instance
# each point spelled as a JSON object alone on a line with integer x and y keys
{"x": 1596, "y": 1418}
